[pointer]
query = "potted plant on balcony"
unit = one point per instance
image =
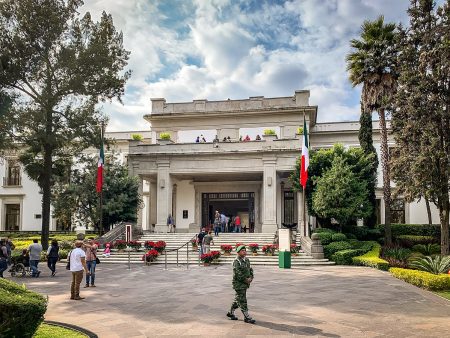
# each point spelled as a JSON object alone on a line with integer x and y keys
{"x": 254, "y": 248}
{"x": 226, "y": 248}
{"x": 295, "y": 249}
{"x": 165, "y": 138}
{"x": 268, "y": 249}
{"x": 269, "y": 134}
{"x": 206, "y": 259}
{"x": 299, "y": 132}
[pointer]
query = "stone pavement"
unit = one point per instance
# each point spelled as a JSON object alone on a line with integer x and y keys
{"x": 327, "y": 301}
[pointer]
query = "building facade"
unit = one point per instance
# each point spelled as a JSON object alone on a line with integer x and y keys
{"x": 190, "y": 181}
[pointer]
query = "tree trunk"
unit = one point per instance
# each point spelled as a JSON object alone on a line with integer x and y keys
{"x": 444, "y": 218}
{"x": 386, "y": 178}
{"x": 427, "y": 203}
{"x": 46, "y": 197}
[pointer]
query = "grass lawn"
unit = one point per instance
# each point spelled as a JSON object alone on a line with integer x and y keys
{"x": 53, "y": 331}
{"x": 445, "y": 294}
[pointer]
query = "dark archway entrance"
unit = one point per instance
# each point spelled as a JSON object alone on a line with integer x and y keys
{"x": 229, "y": 204}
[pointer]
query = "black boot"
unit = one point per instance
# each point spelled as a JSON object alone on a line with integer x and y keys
{"x": 247, "y": 318}
{"x": 231, "y": 315}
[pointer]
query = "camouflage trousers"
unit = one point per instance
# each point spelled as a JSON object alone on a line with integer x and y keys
{"x": 240, "y": 300}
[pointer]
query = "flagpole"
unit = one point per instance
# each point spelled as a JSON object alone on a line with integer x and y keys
{"x": 101, "y": 190}
{"x": 304, "y": 188}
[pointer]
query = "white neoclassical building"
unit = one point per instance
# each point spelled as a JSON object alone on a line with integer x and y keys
{"x": 248, "y": 178}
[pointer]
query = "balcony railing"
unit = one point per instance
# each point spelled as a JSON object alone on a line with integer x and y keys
{"x": 12, "y": 181}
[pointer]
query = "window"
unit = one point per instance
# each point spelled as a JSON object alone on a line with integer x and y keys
{"x": 289, "y": 207}
{"x": 398, "y": 211}
{"x": 12, "y": 219}
{"x": 12, "y": 177}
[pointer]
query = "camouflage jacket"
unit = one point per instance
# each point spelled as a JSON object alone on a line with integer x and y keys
{"x": 241, "y": 271}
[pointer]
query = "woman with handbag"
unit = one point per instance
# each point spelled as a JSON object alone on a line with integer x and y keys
{"x": 53, "y": 256}
{"x": 91, "y": 262}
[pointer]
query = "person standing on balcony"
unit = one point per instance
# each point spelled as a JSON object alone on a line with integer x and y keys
{"x": 242, "y": 278}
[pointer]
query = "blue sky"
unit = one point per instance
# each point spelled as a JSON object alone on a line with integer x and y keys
{"x": 217, "y": 49}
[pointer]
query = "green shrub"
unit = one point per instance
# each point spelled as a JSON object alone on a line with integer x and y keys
{"x": 427, "y": 249}
{"x": 325, "y": 238}
{"x": 408, "y": 241}
{"x": 344, "y": 257}
{"x": 136, "y": 137}
{"x": 363, "y": 233}
{"x": 396, "y": 252}
{"x": 22, "y": 311}
{"x": 65, "y": 245}
{"x": 350, "y": 236}
{"x": 320, "y": 230}
{"x": 334, "y": 247}
{"x": 433, "y": 230}
{"x": 372, "y": 259}
{"x": 63, "y": 253}
{"x": 300, "y": 130}
{"x": 435, "y": 264}
{"x": 164, "y": 136}
{"x": 422, "y": 279}
{"x": 338, "y": 237}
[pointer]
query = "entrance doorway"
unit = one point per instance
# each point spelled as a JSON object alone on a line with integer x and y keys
{"x": 231, "y": 205}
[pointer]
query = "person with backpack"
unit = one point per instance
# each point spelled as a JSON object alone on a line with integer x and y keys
{"x": 53, "y": 256}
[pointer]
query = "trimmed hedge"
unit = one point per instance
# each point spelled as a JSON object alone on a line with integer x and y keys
{"x": 409, "y": 241}
{"x": 363, "y": 233}
{"x": 325, "y": 237}
{"x": 344, "y": 257}
{"x": 21, "y": 310}
{"x": 338, "y": 237}
{"x": 372, "y": 259}
{"x": 320, "y": 230}
{"x": 422, "y": 279}
{"x": 334, "y": 247}
{"x": 433, "y": 230}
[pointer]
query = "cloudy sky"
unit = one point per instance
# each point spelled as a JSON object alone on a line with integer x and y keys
{"x": 217, "y": 49}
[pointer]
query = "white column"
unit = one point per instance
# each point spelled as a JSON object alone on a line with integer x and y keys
{"x": 152, "y": 205}
{"x": 141, "y": 195}
{"x": 269, "y": 223}
{"x": 164, "y": 196}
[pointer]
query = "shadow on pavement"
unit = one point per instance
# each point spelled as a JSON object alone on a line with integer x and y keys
{"x": 300, "y": 330}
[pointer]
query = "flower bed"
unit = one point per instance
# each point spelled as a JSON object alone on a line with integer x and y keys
{"x": 215, "y": 256}
{"x": 422, "y": 279}
{"x": 159, "y": 246}
{"x": 254, "y": 247}
{"x": 149, "y": 245}
{"x": 372, "y": 259}
{"x": 135, "y": 245}
{"x": 207, "y": 258}
{"x": 120, "y": 244}
{"x": 226, "y": 248}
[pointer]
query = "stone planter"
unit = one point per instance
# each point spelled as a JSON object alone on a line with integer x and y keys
{"x": 270, "y": 138}
{"x": 165, "y": 142}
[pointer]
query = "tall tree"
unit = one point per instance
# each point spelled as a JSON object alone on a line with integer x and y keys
{"x": 372, "y": 64}
{"x": 341, "y": 194}
{"x": 366, "y": 143}
{"x": 77, "y": 199}
{"x": 59, "y": 65}
{"x": 421, "y": 122}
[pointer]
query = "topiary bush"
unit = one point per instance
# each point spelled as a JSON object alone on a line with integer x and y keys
{"x": 325, "y": 237}
{"x": 22, "y": 311}
{"x": 372, "y": 259}
{"x": 344, "y": 257}
{"x": 422, "y": 279}
{"x": 338, "y": 237}
{"x": 334, "y": 247}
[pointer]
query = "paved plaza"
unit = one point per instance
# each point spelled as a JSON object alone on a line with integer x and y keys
{"x": 314, "y": 302}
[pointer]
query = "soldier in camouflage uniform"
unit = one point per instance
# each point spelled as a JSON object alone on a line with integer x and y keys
{"x": 242, "y": 277}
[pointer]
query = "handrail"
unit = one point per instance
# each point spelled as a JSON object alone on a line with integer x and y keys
{"x": 177, "y": 250}
{"x": 113, "y": 234}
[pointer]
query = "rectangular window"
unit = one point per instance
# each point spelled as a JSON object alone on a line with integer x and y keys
{"x": 12, "y": 219}
{"x": 289, "y": 207}
{"x": 398, "y": 211}
{"x": 12, "y": 177}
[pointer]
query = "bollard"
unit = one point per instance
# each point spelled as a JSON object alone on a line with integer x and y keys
{"x": 165, "y": 259}
{"x": 187, "y": 257}
{"x": 177, "y": 258}
{"x": 129, "y": 259}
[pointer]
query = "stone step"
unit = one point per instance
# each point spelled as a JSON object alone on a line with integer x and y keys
{"x": 267, "y": 263}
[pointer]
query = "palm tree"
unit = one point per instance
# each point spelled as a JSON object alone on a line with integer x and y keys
{"x": 372, "y": 63}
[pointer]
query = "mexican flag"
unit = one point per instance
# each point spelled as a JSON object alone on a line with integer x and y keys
{"x": 305, "y": 157}
{"x": 101, "y": 162}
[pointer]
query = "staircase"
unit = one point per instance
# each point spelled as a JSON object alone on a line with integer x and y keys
{"x": 176, "y": 240}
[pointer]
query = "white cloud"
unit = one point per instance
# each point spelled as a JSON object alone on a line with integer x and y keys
{"x": 223, "y": 49}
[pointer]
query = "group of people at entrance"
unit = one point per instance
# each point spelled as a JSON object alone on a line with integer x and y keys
{"x": 223, "y": 223}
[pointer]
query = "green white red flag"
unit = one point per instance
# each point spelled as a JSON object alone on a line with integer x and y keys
{"x": 101, "y": 162}
{"x": 305, "y": 157}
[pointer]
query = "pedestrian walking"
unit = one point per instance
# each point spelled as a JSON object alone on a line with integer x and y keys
{"x": 91, "y": 262}
{"x": 53, "y": 256}
{"x": 34, "y": 250}
{"x": 170, "y": 224}
{"x": 217, "y": 223}
{"x": 3, "y": 258}
{"x": 207, "y": 240}
{"x": 237, "y": 224}
{"x": 242, "y": 278}
{"x": 9, "y": 248}
{"x": 77, "y": 262}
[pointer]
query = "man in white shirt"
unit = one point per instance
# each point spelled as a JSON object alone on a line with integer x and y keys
{"x": 77, "y": 260}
